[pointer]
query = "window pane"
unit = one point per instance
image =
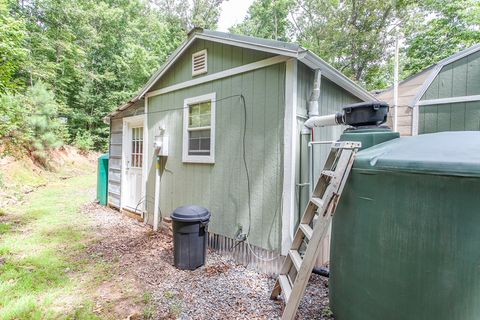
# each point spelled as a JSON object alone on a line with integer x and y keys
{"x": 195, "y": 109}
{"x": 205, "y": 143}
{"x": 194, "y": 144}
{"x": 205, "y": 120}
{"x": 205, "y": 107}
{"x": 200, "y": 115}
{"x": 194, "y": 121}
{"x": 199, "y": 143}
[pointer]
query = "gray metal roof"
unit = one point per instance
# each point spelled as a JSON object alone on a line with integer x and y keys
{"x": 281, "y": 45}
{"x": 273, "y": 46}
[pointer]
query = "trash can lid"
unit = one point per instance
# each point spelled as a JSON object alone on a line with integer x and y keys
{"x": 190, "y": 213}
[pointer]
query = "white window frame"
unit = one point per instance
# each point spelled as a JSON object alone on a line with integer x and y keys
{"x": 186, "y": 109}
{"x": 205, "y": 68}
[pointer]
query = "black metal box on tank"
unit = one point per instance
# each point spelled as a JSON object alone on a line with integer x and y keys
{"x": 406, "y": 233}
{"x": 190, "y": 235}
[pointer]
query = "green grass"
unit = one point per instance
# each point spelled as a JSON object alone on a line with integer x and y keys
{"x": 40, "y": 252}
{"x": 5, "y": 227}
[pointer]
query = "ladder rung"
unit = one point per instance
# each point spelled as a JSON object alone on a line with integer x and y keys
{"x": 286, "y": 287}
{"x": 307, "y": 231}
{"x": 296, "y": 259}
{"x": 317, "y": 201}
{"x": 346, "y": 145}
{"x": 328, "y": 173}
{"x": 326, "y": 196}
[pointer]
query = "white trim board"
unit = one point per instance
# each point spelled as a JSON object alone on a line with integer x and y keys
{"x": 145, "y": 153}
{"x": 449, "y": 100}
{"x": 248, "y": 45}
{"x": 186, "y": 158}
{"x": 219, "y": 75}
{"x": 289, "y": 141}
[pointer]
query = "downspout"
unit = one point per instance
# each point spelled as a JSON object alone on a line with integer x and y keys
{"x": 313, "y": 110}
{"x": 315, "y": 95}
{"x": 156, "y": 213}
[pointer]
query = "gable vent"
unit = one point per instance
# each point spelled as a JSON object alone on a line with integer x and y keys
{"x": 199, "y": 62}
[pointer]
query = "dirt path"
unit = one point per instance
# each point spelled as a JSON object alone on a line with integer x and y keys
{"x": 143, "y": 283}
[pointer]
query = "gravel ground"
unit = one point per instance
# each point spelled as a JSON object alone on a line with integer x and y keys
{"x": 221, "y": 289}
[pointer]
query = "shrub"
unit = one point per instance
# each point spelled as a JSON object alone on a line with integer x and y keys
{"x": 84, "y": 140}
{"x": 14, "y": 129}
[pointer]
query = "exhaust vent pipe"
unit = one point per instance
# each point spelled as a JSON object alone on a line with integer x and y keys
{"x": 358, "y": 115}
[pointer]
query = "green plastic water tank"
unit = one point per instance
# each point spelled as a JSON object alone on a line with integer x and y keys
{"x": 102, "y": 179}
{"x": 369, "y": 137}
{"x": 406, "y": 234}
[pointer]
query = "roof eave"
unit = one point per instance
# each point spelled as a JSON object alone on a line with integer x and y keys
{"x": 315, "y": 62}
{"x": 303, "y": 55}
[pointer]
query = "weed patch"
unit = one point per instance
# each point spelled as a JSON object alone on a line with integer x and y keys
{"x": 5, "y": 227}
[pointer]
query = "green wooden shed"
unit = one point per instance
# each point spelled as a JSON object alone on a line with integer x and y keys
{"x": 443, "y": 97}
{"x": 220, "y": 125}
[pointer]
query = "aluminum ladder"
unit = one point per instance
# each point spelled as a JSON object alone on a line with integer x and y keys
{"x": 298, "y": 265}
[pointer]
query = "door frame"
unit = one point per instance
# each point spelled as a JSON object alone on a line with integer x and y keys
{"x": 135, "y": 121}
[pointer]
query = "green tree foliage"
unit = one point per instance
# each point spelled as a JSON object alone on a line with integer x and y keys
{"x": 47, "y": 128}
{"x": 83, "y": 140}
{"x": 13, "y": 129}
{"x": 92, "y": 55}
{"x": 439, "y": 29}
{"x": 357, "y": 36}
{"x": 267, "y": 19}
{"x": 12, "y": 52}
{"x": 31, "y": 121}
{"x": 353, "y": 35}
{"x": 185, "y": 15}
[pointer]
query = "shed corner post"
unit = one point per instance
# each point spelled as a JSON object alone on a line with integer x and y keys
{"x": 415, "y": 119}
{"x": 289, "y": 140}
{"x": 145, "y": 156}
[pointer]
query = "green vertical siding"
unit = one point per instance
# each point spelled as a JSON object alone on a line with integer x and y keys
{"x": 332, "y": 99}
{"x": 449, "y": 117}
{"x": 219, "y": 57}
{"x": 222, "y": 187}
{"x": 460, "y": 78}
{"x": 457, "y": 79}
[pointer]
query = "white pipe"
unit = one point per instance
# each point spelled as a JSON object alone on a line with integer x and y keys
{"x": 310, "y": 163}
{"x": 156, "y": 214}
{"x": 315, "y": 95}
{"x": 395, "y": 87}
{"x": 324, "y": 121}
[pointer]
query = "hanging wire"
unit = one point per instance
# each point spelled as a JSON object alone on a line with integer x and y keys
{"x": 245, "y": 164}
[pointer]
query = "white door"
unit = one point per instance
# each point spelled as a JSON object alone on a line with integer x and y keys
{"x": 133, "y": 153}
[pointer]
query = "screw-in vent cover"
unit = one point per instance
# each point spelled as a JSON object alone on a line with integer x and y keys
{"x": 199, "y": 62}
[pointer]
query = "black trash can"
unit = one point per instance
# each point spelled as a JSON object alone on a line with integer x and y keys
{"x": 190, "y": 235}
